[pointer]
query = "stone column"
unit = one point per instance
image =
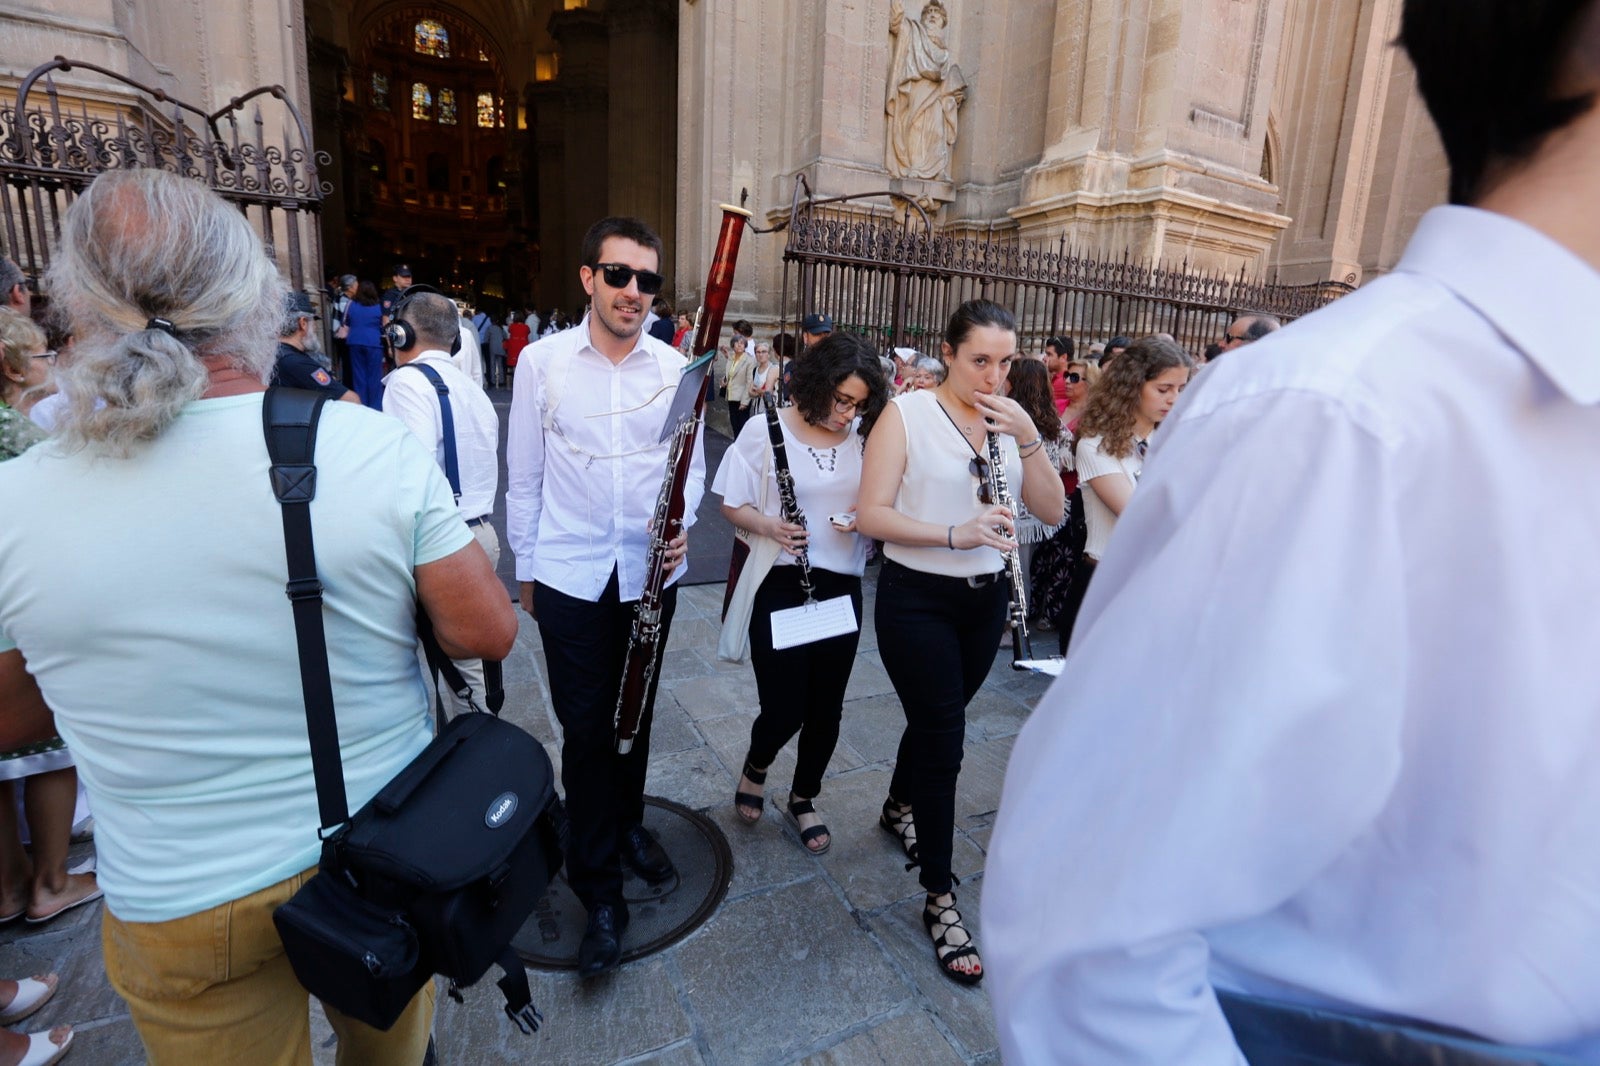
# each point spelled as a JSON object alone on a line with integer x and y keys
{"x": 1156, "y": 123}
{"x": 584, "y": 122}
{"x": 643, "y": 103}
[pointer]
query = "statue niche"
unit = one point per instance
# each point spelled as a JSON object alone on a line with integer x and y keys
{"x": 924, "y": 92}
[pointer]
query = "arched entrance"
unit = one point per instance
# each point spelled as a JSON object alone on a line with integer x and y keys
{"x": 475, "y": 140}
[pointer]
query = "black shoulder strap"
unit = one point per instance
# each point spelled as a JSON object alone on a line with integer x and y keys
{"x": 447, "y": 423}
{"x": 289, "y": 419}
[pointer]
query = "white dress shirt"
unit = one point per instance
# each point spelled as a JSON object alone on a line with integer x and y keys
{"x": 409, "y": 396}
{"x": 1330, "y": 727}
{"x": 585, "y": 462}
{"x": 469, "y": 357}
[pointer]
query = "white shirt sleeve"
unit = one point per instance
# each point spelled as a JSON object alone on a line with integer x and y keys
{"x": 410, "y": 397}
{"x": 1092, "y": 462}
{"x": 525, "y": 462}
{"x": 1228, "y": 721}
{"x": 737, "y": 481}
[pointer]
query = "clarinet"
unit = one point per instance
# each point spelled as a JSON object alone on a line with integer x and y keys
{"x": 644, "y": 640}
{"x": 788, "y": 505}
{"x": 1021, "y": 646}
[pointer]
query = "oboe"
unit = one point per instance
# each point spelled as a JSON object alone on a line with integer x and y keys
{"x": 788, "y": 505}
{"x": 644, "y": 642}
{"x": 1021, "y": 646}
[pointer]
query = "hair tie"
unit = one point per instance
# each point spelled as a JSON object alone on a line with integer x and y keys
{"x": 164, "y": 325}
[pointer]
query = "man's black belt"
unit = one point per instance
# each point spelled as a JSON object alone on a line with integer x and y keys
{"x": 480, "y": 520}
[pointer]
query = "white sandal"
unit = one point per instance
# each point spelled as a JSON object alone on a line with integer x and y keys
{"x": 42, "y": 1051}
{"x": 32, "y": 993}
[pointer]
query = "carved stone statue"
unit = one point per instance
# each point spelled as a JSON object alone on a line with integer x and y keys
{"x": 925, "y": 90}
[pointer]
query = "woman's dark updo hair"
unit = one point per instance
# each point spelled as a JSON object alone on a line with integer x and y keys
{"x": 818, "y": 373}
{"x": 975, "y": 313}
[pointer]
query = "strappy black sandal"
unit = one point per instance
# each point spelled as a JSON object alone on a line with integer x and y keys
{"x": 797, "y": 807}
{"x": 946, "y": 952}
{"x": 748, "y": 806}
{"x": 896, "y": 821}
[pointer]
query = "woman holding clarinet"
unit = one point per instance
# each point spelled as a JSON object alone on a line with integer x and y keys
{"x": 928, "y": 492}
{"x": 803, "y": 496}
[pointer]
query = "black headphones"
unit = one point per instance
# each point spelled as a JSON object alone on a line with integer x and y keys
{"x": 399, "y": 334}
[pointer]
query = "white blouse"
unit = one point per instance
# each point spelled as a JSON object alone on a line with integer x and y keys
{"x": 1093, "y": 463}
{"x": 827, "y": 481}
{"x": 940, "y": 487}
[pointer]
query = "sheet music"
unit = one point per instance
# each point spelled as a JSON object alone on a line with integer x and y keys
{"x": 1051, "y": 666}
{"x": 811, "y": 622}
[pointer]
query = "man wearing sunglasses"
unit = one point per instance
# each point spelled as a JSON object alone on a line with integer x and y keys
{"x": 585, "y": 463}
{"x": 1247, "y": 329}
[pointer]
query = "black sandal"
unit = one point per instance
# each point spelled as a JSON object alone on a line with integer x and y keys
{"x": 797, "y": 807}
{"x": 945, "y": 951}
{"x": 901, "y": 827}
{"x": 743, "y": 802}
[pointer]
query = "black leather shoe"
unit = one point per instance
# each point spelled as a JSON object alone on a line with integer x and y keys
{"x": 644, "y": 856}
{"x": 601, "y": 949}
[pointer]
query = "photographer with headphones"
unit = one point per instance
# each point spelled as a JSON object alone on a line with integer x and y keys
{"x": 452, "y": 416}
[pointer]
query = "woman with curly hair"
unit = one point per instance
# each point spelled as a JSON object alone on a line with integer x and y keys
{"x": 1135, "y": 393}
{"x": 838, "y": 393}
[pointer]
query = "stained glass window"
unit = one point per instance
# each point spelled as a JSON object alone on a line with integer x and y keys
{"x": 447, "y": 107}
{"x": 500, "y": 111}
{"x": 380, "y": 92}
{"x": 486, "y": 110}
{"x": 421, "y": 101}
{"x": 431, "y": 39}
{"x": 483, "y": 57}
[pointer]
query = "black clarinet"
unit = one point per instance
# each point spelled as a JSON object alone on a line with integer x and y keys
{"x": 1000, "y": 492}
{"x": 788, "y": 505}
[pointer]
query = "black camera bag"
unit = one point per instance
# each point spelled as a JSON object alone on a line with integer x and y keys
{"x": 440, "y": 869}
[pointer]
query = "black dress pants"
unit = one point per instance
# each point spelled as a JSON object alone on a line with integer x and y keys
{"x": 801, "y": 688}
{"x": 937, "y": 637}
{"x": 585, "y": 648}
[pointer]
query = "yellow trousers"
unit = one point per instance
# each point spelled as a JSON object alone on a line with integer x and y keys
{"x": 216, "y": 987}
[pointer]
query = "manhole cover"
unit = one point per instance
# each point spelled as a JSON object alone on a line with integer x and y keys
{"x": 659, "y": 915}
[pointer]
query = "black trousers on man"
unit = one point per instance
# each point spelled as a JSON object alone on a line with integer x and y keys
{"x": 585, "y": 647}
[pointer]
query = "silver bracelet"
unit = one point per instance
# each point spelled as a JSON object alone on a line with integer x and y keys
{"x": 950, "y": 538}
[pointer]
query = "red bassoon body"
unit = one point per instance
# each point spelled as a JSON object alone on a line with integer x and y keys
{"x": 644, "y": 643}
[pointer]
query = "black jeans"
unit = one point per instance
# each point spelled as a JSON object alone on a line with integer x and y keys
{"x": 1077, "y": 584}
{"x": 738, "y": 416}
{"x": 585, "y": 647}
{"x": 937, "y": 637}
{"x": 802, "y": 688}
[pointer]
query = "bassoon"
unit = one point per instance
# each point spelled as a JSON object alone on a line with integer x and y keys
{"x": 644, "y": 640}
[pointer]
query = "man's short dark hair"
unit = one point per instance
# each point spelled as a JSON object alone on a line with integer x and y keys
{"x": 1486, "y": 69}
{"x": 632, "y": 229}
{"x": 1119, "y": 341}
{"x": 1062, "y": 345}
{"x": 1260, "y": 326}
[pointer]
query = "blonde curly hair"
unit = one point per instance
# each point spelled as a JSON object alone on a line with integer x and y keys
{"x": 1113, "y": 403}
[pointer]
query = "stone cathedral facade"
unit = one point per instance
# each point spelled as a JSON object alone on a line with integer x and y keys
{"x": 1276, "y": 136}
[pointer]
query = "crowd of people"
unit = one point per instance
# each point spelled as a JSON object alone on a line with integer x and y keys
{"x": 1322, "y": 751}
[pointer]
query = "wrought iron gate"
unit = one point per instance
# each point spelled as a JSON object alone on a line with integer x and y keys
{"x": 894, "y": 278}
{"x": 49, "y": 153}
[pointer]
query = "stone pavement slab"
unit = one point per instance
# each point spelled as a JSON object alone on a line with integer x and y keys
{"x": 809, "y": 959}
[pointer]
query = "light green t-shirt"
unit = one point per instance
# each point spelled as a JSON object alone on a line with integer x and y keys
{"x": 147, "y": 595}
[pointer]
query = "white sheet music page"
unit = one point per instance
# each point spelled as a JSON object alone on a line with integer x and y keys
{"x": 811, "y": 622}
{"x": 1051, "y": 666}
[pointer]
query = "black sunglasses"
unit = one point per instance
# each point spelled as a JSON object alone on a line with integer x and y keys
{"x": 1073, "y": 379}
{"x": 1228, "y": 338}
{"x": 979, "y": 468}
{"x": 617, "y": 276}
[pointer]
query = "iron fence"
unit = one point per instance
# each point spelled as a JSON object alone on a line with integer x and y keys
{"x": 50, "y": 152}
{"x": 892, "y": 277}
